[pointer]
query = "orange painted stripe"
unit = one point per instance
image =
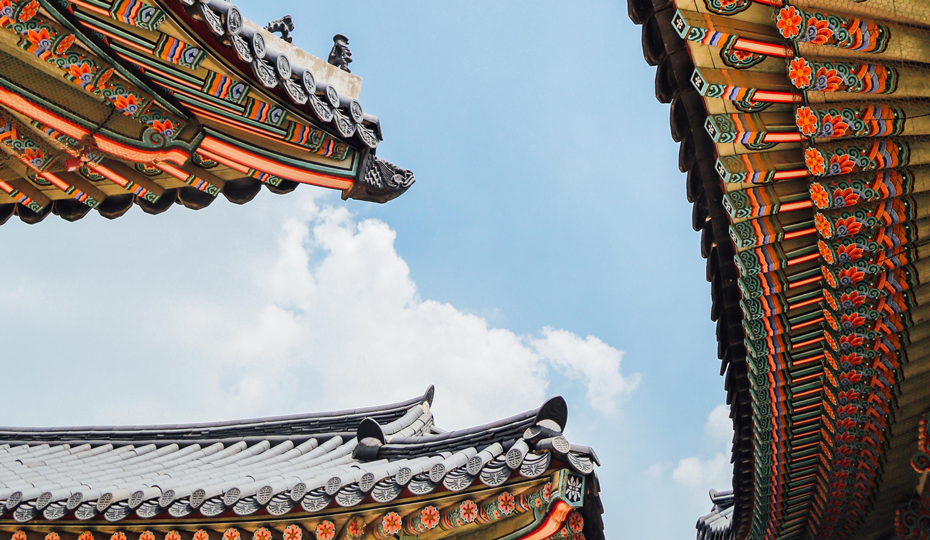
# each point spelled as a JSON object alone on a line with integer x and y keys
{"x": 760, "y": 47}
{"x": 776, "y": 97}
{"x": 803, "y": 259}
{"x": 88, "y": 7}
{"x": 796, "y": 173}
{"x": 804, "y": 282}
{"x": 806, "y": 324}
{"x": 798, "y": 234}
{"x": 273, "y": 167}
{"x": 26, "y": 107}
{"x": 800, "y": 205}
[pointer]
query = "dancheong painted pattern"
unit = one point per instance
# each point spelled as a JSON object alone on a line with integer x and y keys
{"x": 805, "y": 133}
{"x": 104, "y": 104}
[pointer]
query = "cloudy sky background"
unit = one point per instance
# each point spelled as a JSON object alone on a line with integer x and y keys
{"x": 545, "y": 249}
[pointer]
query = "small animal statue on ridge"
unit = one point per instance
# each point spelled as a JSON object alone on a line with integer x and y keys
{"x": 340, "y": 56}
{"x": 284, "y": 25}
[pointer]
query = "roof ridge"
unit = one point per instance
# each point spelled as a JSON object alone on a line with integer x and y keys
{"x": 388, "y": 412}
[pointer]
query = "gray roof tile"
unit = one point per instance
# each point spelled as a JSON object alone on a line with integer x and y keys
{"x": 175, "y": 470}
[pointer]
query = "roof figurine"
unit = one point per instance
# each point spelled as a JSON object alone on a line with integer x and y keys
{"x": 340, "y": 55}
{"x": 283, "y": 26}
{"x": 804, "y": 136}
{"x": 115, "y": 103}
{"x": 374, "y": 471}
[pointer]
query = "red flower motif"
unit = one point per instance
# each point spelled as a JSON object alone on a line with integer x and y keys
{"x": 29, "y": 11}
{"x": 848, "y": 342}
{"x": 849, "y": 396}
{"x": 823, "y": 225}
{"x": 127, "y": 104}
{"x": 840, "y": 164}
{"x": 789, "y": 22}
{"x": 817, "y": 32}
{"x": 19, "y": 535}
{"x": 86, "y": 535}
{"x": 6, "y": 11}
{"x": 826, "y": 80}
{"x": 819, "y": 196}
{"x": 174, "y": 535}
{"x": 325, "y": 530}
{"x": 505, "y": 502}
{"x": 547, "y": 491}
{"x": 292, "y": 532}
{"x": 833, "y": 126}
{"x": 799, "y": 72}
{"x": 847, "y": 226}
{"x": 849, "y": 253}
{"x": 64, "y": 45}
{"x": 845, "y": 197}
{"x": 82, "y": 75}
{"x": 851, "y": 276}
{"x": 355, "y": 528}
{"x": 851, "y": 320}
{"x": 851, "y": 300}
{"x": 814, "y": 161}
{"x": 849, "y": 361}
{"x": 825, "y": 252}
{"x": 575, "y": 522}
{"x": 261, "y": 534}
{"x": 852, "y": 377}
{"x": 118, "y": 535}
{"x": 166, "y": 128}
{"x": 429, "y": 517}
{"x": 391, "y": 522}
{"x": 468, "y": 510}
{"x": 201, "y": 535}
{"x": 806, "y": 121}
{"x": 741, "y": 55}
{"x": 231, "y": 534}
{"x": 148, "y": 535}
{"x": 34, "y": 157}
{"x": 831, "y": 321}
{"x": 40, "y": 39}
{"x": 52, "y": 536}
{"x": 828, "y": 275}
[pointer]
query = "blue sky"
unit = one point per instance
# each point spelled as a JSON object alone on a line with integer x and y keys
{"x": 548, "y": 230}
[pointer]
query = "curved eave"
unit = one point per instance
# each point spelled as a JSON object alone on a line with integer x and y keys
{"x": 665, "y": 49}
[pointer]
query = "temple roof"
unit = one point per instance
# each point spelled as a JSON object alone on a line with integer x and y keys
{"x": 109, "y": 103}
{"x": 294, "y": 465}
{"x": 803, "y": 133}
{"x": 716, "y": 524}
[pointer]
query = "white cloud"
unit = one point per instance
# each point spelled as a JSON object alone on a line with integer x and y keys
{"x": 335, "y": 307}
{"x": 698, "y": 475}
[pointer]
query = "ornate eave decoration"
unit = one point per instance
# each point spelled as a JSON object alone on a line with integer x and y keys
{"x": 804, "y": 133}
{"x": 103, "y": 104}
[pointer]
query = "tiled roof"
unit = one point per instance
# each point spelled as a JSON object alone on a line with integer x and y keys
{"x": 300, "y": 463}
{"x": 716, "y": 524}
